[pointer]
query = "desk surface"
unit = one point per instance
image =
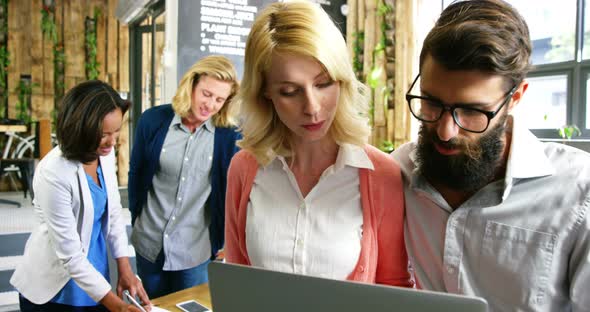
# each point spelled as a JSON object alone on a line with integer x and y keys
{"x": 199, "y": 293}
{"x": 13, "y": 128}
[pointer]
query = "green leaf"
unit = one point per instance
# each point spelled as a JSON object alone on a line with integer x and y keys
{"x": 374, "y": 77}
{"x": 387, "y": 146}
{"x": 568, "y": 131}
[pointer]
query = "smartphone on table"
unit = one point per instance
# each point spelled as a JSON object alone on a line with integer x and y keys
{"x": 192, "y": 306}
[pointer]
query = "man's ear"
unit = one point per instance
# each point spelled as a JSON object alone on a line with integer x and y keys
{"x": 518, "y": 94}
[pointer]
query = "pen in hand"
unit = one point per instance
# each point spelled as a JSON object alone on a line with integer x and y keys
{"x": 133, "y": 301}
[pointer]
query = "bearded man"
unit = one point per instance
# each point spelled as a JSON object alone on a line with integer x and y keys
{"x": 490, "y": 210}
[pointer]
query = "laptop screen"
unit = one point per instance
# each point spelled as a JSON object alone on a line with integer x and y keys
{"x": 237, "y": 288}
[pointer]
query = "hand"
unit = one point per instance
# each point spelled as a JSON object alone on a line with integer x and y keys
{"x": 132, "y": 308}
{"x": 115, "y": 304}
{"x": 220, "y": 255}
{"x": 129, "y": 281}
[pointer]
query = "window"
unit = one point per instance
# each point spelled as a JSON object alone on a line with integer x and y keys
{"x": 545, "y": 102}
{"x": 558, "y": 93}
{"x": 587, "y": 101}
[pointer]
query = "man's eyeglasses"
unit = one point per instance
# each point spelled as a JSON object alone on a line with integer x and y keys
{"x": 467, "y": 118}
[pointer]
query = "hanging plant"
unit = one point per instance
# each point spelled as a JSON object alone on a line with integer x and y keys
{"x": 357, "y": 50}
{"x": 4, "y": 57}
{"x": 48, "y": 27}
{"x": 59, "y": 64}
{"x": 3, "y": 21}
{"x": 23, "y": 105}
{"x": 4, "y": 62}
{"x": 92, "y": 65}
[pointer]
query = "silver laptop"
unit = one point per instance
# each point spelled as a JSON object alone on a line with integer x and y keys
{"x": 237, "y": 288}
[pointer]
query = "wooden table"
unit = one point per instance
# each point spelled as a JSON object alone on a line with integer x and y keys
{"x": 13, "y": 128}
{"x": 199, "y": 293}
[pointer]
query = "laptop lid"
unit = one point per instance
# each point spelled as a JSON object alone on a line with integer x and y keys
{"x": 238, "y": 288}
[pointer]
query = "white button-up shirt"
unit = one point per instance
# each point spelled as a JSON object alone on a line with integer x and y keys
{"x": 522, "y": 243}
{"x": 319, "y": 235}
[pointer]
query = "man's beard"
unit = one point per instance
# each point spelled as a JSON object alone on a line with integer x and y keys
{"x": 471, "y": 169}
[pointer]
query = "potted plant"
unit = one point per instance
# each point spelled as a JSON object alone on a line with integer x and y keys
{"x": 23, "y": 105}
{"x": 568, "y": 131}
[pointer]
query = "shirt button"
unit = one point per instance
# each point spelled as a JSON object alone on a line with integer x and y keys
{"x": 299, "y": 242}
{"x": 166, "y": 235}
{"x": 179, "y": 198}
{"x": 302, "y": 205}
{"x": 362, "y": 269}
{"x": 163, "y": 150}
{"x": 186, "y": 159}
{"x": 182, "y": 179}
{"x": 210, "y": 157}
{"x": 450, "y": 269}
{"x": 173, "y": 218}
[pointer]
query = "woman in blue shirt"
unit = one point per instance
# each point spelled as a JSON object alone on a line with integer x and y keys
{"x": 78, "y": 207}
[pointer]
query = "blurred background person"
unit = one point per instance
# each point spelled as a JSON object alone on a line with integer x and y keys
{"x": 177, "y": 178}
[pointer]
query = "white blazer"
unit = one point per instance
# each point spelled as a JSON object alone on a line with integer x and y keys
{"x": 57, "y": 249}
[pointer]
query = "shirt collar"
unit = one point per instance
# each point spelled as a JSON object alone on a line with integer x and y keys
{"x": 526, "y": 158}
{"x": 177, "y": 123}
{"x": 348, "y": 155}
{"x": 353, "y": 156}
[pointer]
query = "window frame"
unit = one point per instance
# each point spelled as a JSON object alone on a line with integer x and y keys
{"x": 577, "y": 71}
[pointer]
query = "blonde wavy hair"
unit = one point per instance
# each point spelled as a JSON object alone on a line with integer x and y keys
{"x": 304, "y": 29}
{"x": 215, "y": 66}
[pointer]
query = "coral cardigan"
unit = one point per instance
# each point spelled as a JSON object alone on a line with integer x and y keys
{"x": 383, "y": 258}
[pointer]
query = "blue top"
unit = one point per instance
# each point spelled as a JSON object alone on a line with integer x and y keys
{"x": 145, "y": 158}
{"x": 71, "y": 293}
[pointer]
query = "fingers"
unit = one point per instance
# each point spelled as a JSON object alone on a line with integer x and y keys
{"x": 143, "y": 295}
{"x": 131, "y": 308}
{"x": 120, "y": 291}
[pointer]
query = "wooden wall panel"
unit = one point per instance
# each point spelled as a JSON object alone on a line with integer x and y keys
{"x": 404, "y": 49}
{"x": 123, "y": 58}
{"x": 74, "y": 16}
{"x": 31, "y": 53}
{"x": 37, "y": 74}
{"x": 112, "y": 45}
{"x": 20, "y": 57}
{"x": 123, "y": 152}
{"x": 101, "y": 28}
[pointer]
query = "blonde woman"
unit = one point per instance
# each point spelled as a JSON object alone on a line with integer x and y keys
{"x": 177, "y": 178}
{"x": 307, "y": 195}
